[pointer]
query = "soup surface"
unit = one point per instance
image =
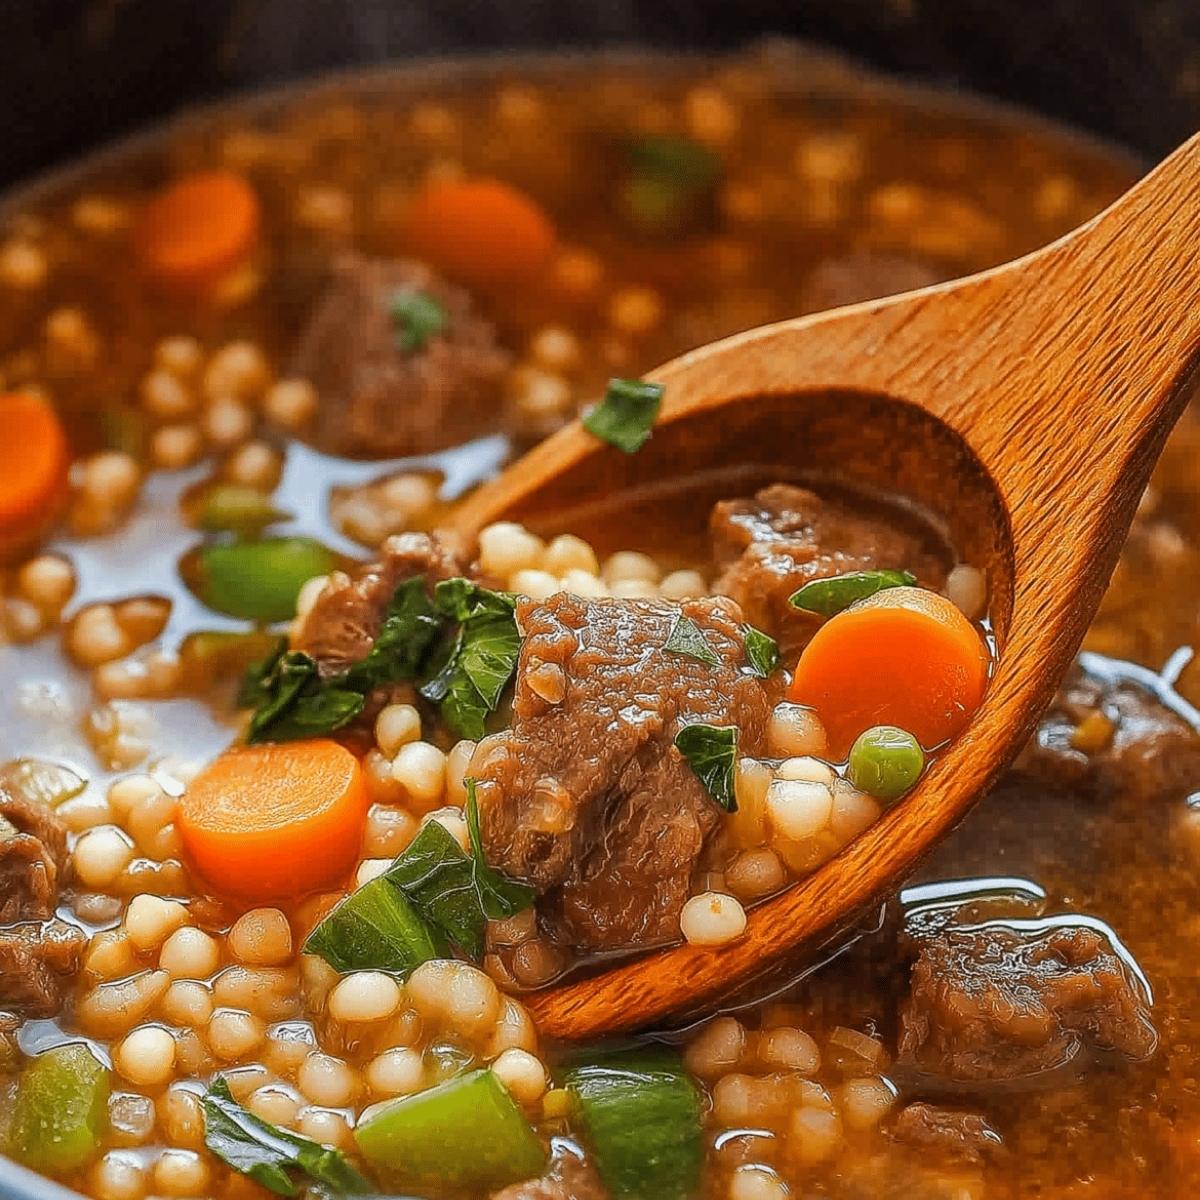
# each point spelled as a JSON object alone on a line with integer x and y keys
{"x": 299, "y": 795}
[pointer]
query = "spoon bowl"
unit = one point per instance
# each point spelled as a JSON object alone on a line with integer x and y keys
{"x": 1025, "y": 407}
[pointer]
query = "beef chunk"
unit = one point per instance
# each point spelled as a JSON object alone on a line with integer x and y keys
{"x": 774, "y": 542}
{"x": 36, "y": 964}
{"x": 33, "y": 850}
{"x": 1133, "y": 743}
{"x": 342, "y": 625}
{"x": 377, "y": 398}
{"x": 1000, "y": 1002}
{"x": 567, "y": 1178}
{"x": 586, "y": 796}
{"x": 948, "y": 1133}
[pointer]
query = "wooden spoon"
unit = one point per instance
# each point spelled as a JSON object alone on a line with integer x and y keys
{"x": 1026, "y": 405}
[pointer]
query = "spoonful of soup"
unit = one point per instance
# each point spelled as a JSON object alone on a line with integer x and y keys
{"x": 1024, "y": 407}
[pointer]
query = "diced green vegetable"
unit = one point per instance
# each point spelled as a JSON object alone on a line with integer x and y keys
{"x": 272, "y": 1156}
{"x": 711, "y": 752}
{"x": 209, "y": 656}
{"x": 376, "y": 928}
{"x": 60, "y": 1112}
{"x": 290, "y": 700}
{"x": 627, "y": 413}
{"x": 234, "y": 508}
{"x": 762, "y": 651}
{"x": 670, "y": 185}
{"x": 416, "y": 317}
{"x": 500, "y": 896}
{"x": 640, "y": 1111}
{"x": 465, "y": 1133}
{"x": 829, "y": 596}
{"x": 687, "y": 638}
{"x": 42, "y": 782}
{"x": 885, "y": 762}
{"x": 410, "y": 627}
{"x": 260, "y": 580}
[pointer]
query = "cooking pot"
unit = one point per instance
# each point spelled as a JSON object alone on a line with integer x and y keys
{"x": 77, "y": 73}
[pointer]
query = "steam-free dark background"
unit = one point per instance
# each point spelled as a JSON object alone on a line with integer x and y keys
{"x": 75, "y": 72}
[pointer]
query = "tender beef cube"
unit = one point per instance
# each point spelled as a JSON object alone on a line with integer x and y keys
{"x": 948, "y": 1133}
{"x": 377, "y": 398}
{"x": 567, "y": 1178}
{"x": 1137, "y": 745}
{"x": 342, "y": 625}
{"x": 774, "y": 542}
{"x": 586, "y": 796}
{"x": 864, "y": 275}
{"x": 1000, "y": 1002}
{"x": 33, "y": 851}
{"x": 36, "y": 964}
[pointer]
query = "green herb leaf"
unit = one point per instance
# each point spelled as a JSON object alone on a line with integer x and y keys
{"x": 626, "y": 414}
{"x": 830, "y": 596}
{"x": 679, "y": 159}
{"x": 416, "y": 317}
{"x": 762, "y": 651}
{"x": 410, "y": 626}
{"x": 472, "y": 668}
{"x": 711, "y": 752}
{"x": 670, "y": 186}
{"x": 501, "y": 896}
{"x": 687, "y": 638}
{"x": 291, "y": 700}
{"x": 377, "y": 928}
{"x": 269, "y": 1155}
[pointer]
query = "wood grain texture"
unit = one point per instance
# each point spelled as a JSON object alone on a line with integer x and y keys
{"x": 1026, "y": 405}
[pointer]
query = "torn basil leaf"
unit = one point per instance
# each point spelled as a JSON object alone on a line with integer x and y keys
{"x": 829, "y": 596}
{"x": 711, "y": 752}
{"x": 271, "y": 1156}
{"x": 500, "y": 896}
{"x": 687, "y": 638}
{"x": 762, "y": 651}
{"x": 291, "y": 700}
{"x": 416, "y": 317}
{"x": 410, "y": 626}
{"x": 626, "y": 414}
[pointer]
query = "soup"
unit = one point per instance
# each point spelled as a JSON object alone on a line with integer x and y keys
{"x": 302, "y": 797}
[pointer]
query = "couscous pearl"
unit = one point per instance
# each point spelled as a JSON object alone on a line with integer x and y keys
{"x": 389, "y": 830}
{"x": 631, "y": 564}
{"x": 189, "y": 953}
{"x": 506, "y": 548}
{"x": 582, "y": 583}
{"x": 683, "y": 585}
{"x": 371, "y": 868}
{"x": 456, "y": 770}
{"x": 755, "y": 873}
{"x": 815, "y": 1134}
{"x": 274, "y": 1104}
{"x": 396, "y": 1072}
{"x": 712, "y": 919}
{"x": 554, "y": 348}
{"x": 396, "y": 726}
{"x": 866, "y": 1101}
{"x": 181, "y": 1173}
{"x": 262, "y": 938}
{"x": 84, "y": 812}
{"x": 797, "y": 808}
{"x": 806, "y": 768}
{"x": 232, "y": 1033}
{"x": 290, "y": 403}
{"x": 47, "y": 581}
{"x": 785, "y": 1048}
{"x": 226, "y": 421}
{"x": 328, "y": 1128}
{"x": 966, "y": 587}
{"x": 173, "y": 447}
{"x": 187, "y": 1003}
{"x": 166, "y": 396}
{"x": 522, "y": 1074}
{"x": 180, "y": 355}
{"x": 635, "y": 310}
{"x": 853, "y": 811}
{"x": 364, "y": 996}
{"x": 111, "y": 478}
{"x": 420, "y": 768}
{"x": 237, "y": 370}
{"x": 570, "y": 553}
{"x": 255, "y": 465}
{"x": 118, "y": 1176}
{"x": 752, "y": 1182}
{"x": 125, "y": 793}
{"x": 537, "y": 585}
{"x": 182, "y": 1117}
{"x": 634, "y": 589}
{"x": 451, "y": 820}
{"x": 95, "y": 637}
{"x": 326, "y": 1080}
{"x": 147, "y": 1056}
{"x": 22, "y": 264}
{"x": 101, "y": 855}
{"x": 149, "y": 920}
{"x": 794, "y": 731}
{"x": 717, "y": 1049}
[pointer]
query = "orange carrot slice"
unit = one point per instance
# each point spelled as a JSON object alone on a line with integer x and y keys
{"x": 904, "y": 657}
{"x": 34, "y": 459}
{"x": 275, "y": 821}
{"x": 195, "y": 231}
{"x": 481, "y": 231}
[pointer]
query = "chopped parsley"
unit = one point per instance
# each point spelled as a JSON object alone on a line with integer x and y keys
{"x": 711, "y": 752}
{"x": 416, "y": 317}
{"x": 762, "y": 651}
{"x": 687, "y": 638}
